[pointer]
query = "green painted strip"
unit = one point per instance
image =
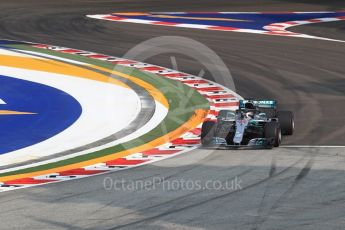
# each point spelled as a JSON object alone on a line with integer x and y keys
{"x": 176, "y": 92}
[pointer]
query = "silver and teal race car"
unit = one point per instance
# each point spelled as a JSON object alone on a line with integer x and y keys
{"x": 256, "y": 123}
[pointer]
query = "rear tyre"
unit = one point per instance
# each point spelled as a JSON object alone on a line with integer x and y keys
{"x": 286, "y": 121}
{"x": 207, "y": 132}
{"x": 272, "y": 131}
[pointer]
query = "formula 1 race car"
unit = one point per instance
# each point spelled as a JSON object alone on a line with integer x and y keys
{"x": 256, "y": 123}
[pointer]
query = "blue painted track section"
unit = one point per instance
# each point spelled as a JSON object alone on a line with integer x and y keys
{"x": 55, "y": 111}
{"x": 251, "y": 20}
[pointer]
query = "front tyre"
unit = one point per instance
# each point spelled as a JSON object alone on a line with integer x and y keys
{"x": 286, "y": 121}
{"x": 272, "y": 131}
{"x": 207, "y": 132}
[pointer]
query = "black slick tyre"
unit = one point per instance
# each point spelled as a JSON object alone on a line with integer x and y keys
{"x": 207, "y": 132}
{"x": 272, "y": 131}
{"x": 286, "y": 121}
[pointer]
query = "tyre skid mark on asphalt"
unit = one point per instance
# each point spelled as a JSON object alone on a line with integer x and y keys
{"x": 180, "y": 198}
{"x": 210, "y": 199}
{"x": 151, "y": 208}
{"x": 303, "y": 173}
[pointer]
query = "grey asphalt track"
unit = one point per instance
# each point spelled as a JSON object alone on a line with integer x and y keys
{"x": 278, "y": 189}
{"x": 286, "y": 188}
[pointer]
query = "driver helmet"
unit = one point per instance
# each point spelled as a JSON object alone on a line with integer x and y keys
{"x": 250, "y": 115}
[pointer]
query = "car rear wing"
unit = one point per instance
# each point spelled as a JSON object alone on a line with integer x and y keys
{"x": 269, "y": 104}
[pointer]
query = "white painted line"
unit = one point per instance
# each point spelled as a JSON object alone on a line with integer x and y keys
{"x": 52, "y": 57}
{"x": 185, "y": 25}
{"x": 166, "y": 146}
{"x": 270, "y": 27}
{"x": 141, "y": 21}
{"x": 158, "y": 116}
{"x": 99, "y": 109}
{"x": 239, "y": 12}
{"x": 313, "y": 12}
{"x": 312, "y": 146}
